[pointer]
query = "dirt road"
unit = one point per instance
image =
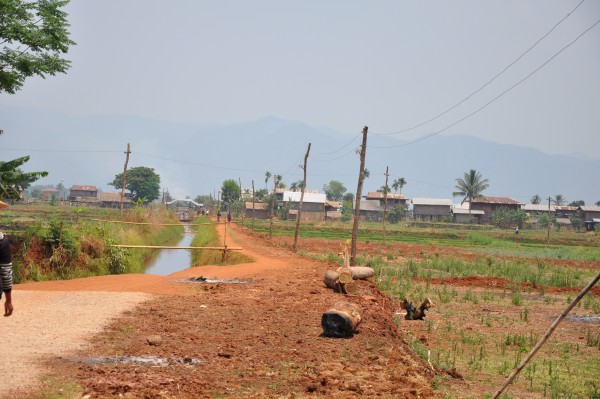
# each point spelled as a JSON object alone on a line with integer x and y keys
{"x": 258, "y": 339}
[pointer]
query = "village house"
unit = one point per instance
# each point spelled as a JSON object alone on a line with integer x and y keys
{"x": 333, "y": 210}
{"x": 430, "y": 209}
{"x": 313, "y": 205}
{"x": 462, "y": 214}
{"x": 490, "y": 205}
{"x": 590, "y": 216}
{"x": 49, "y": 193}
{"x": 113, "y": 200}
{"x": 83, "y": 195}
{"x": 392, "y": 199}
{"x": 371, "y": 210}
{"x": 256, "y": 210}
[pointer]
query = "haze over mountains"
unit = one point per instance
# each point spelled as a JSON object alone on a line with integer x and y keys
{"x": 195, "y": 159}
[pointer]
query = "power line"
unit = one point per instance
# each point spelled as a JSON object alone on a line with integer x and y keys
{"x": 487, "y": 83}
{"x": 46, "y": 150}
{"x": 495, "y": 98}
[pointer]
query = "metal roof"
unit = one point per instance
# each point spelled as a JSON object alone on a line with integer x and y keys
{"x": 496, "y": 200}
{"x": 377, "y": 194}
{"x": 590, "y": 208}
{"x": 465, "y": 211}
{"x": 294, "y": 196}
{"x": 431, "y": 201}
{"x": 538, "y": 207}
{"x": 84, "y": 188}
{"x": 370, "y": 205}
{"x": 258, "y": 206}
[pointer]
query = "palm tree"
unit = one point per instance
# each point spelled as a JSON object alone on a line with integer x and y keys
{"x": 398, "y": 184}
{"x": 267, "y": 177}
{"x": 470, "y": 186}
{"x": 559, "y": 200}
{"x": 294, "y": 186}
{"x": 536, "y": 199}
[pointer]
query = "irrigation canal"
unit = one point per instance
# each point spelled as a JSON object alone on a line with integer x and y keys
{"x": 173, "y": 260}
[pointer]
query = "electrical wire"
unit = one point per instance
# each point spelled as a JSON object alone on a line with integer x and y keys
{"x": 495, "y": 98}
{"x": 485, "y": 84}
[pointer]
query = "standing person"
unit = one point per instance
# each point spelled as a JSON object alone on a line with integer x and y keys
{"x": 6, "y": 273}
{"x": 218, "y": 216}
{"x": 517, "y": 231}
{"x": 229, "y": 217}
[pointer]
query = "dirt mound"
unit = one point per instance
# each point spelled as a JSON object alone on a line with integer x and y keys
{"x": 262, "y": 338}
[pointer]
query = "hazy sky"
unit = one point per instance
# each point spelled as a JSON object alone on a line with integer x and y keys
{"x": 341, "y": 64}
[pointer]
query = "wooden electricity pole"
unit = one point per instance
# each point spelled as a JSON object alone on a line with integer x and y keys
{"x": 549, "y": 219}
{"x": 253, "y": 201}
{"x": 295, "y": 249}
{"x": 385, "y": 192}
{"x": 361, "y": 178}
{"x": 124, "y": 177}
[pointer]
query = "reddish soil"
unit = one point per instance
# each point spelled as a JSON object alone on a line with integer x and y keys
{"x": 254, "y": 340}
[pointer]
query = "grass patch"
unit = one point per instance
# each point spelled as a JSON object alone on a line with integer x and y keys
{"x": 207, "y": 236}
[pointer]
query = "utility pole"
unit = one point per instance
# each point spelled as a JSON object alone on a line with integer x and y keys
{"x": 385, "y": 192}
{"x": 295, "y": 248}
{"x": 273, "y": 199}
{"x": 253, "y": 201}
{"x": 361, "y": 178}
{"x": 124, "y": 177}
{"x": 549, "y": 219}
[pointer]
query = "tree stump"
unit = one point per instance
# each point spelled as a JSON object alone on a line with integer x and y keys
{"x": 341, "y": 320}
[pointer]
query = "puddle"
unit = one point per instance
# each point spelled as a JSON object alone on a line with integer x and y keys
{"x": 208, "y": 280}
{"x": 141, "y": 360}
{"x": 583, "y": 318}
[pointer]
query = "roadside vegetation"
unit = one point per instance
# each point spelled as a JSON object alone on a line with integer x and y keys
{"x": 495, "y": 297}
{"x": 207, "y": 236}
{"x": 64, "y": 243}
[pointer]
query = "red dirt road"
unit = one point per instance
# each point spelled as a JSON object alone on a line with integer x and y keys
{"x": 254, "y": 340}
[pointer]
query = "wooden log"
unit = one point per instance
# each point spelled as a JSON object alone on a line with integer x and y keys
{"x": 341, "y": 320}
{"x": 331, "y": 279}
{"x": 349, "y": 288}
{"x": 344, "y": 274}
{"x": 362, "y": 272}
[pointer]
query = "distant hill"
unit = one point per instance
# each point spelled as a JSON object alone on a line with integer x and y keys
{"x": 195, "y": 159}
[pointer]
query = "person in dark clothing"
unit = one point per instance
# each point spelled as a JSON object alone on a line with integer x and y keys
{"x": 228, "y": 217}
{"x": 6, "y": 274}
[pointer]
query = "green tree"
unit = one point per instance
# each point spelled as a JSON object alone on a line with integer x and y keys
{"x": 334, "y": 190}
{"x": 396, "y": 214}
{"x": 230, "y": 192}
{"x": 347, "y": 210}
{"x": 577, "y": 203}
{"x": 397, "y": 184}
{"x": 536, "y": 200}
{"x": 142, "y": 182}
{"x": 348, "y": 197}
{"x": 598, "y": 203}
{"x": 470, "y": 186}
{"x": 13, "y": 181}
{"x": 559, "y": 200}
{"x": 34, "y": 35}
{"x": 267, "y": 177}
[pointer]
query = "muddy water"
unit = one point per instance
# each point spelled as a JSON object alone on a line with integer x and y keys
{"x": 173, "y": 260}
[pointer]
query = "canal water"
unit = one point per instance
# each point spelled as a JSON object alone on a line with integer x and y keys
{"x": 173, "y": 260}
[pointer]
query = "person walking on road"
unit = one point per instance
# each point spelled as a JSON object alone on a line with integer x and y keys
{"x": 6, "y": 279}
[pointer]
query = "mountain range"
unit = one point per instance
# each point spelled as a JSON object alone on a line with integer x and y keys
{"x": 195, "y": 159}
